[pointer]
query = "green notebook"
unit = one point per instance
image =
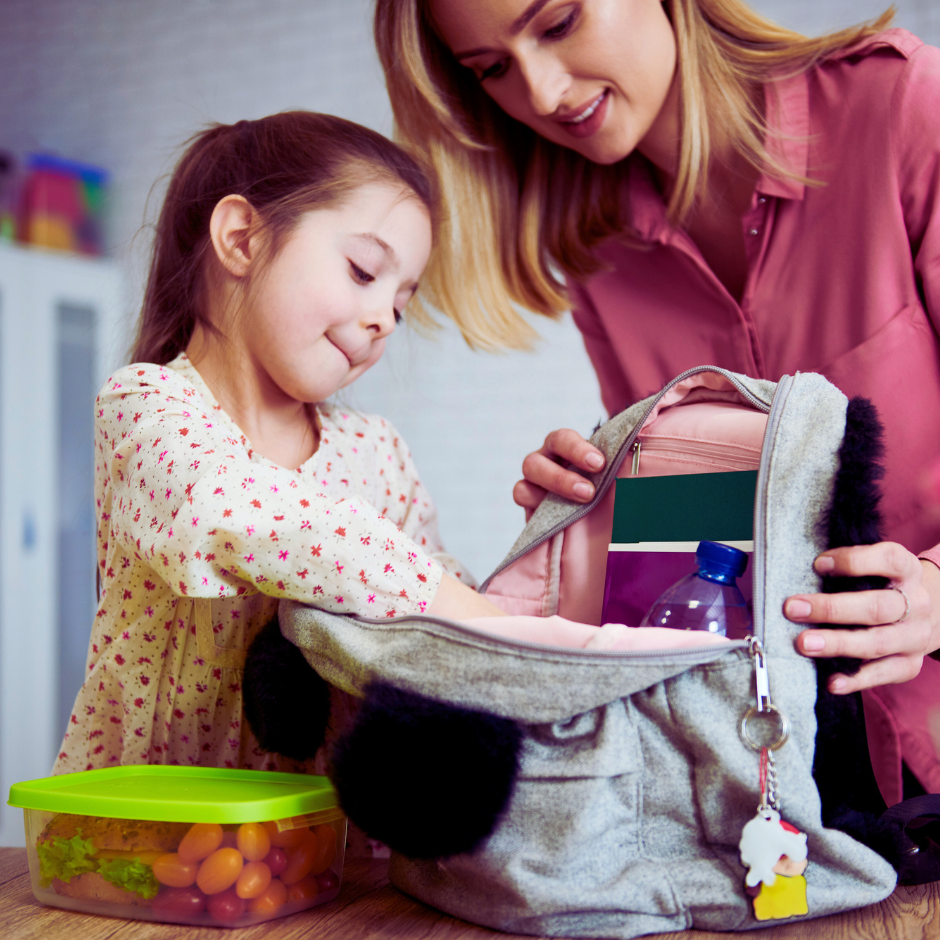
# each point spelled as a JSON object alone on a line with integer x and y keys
{"x": 685, "y": 508}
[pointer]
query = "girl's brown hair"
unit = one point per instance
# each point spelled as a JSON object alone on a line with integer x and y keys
{"x": 520, "y": 213}
{"x": 284, "y": 165}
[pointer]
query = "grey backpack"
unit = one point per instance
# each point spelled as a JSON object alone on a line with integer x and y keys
{"x": 624, "y": 776}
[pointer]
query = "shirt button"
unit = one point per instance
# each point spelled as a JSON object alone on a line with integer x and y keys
{"x": 762, "y": 200}
{"x": 753, "y": 231}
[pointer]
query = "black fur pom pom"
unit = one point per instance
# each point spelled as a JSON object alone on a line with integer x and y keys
{"x": 854, "y": 518}
{"x": 851, "y": 801}
{"x": 426, "y": 778}
{"x": 287, "y": 704}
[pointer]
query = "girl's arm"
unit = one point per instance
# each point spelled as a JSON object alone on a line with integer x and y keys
{"x": 456, "y": 601}
{"x": 419, "y": 522}
{"x": 211, "y": 522}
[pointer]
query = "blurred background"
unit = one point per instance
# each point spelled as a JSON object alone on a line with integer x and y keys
{"x": 108, "y": 90}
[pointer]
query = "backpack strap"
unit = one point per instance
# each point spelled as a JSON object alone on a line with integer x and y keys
{"x": 919, "y": 819}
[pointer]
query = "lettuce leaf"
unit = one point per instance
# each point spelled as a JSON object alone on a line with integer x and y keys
{"x": 65, "y": 858}
{"x": 68, "y": 858}
{"x": 131, "y": 875}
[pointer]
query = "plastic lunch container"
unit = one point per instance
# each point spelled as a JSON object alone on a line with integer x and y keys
{"x": 188, "y": 845}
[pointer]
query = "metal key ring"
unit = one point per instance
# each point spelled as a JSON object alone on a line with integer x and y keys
{"x": 781, "y": 738}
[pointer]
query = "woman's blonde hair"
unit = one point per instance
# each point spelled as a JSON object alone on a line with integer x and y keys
{"x": 519, "y": 213}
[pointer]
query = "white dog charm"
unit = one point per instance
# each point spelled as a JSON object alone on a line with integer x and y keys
{"x": 763, "y": 841}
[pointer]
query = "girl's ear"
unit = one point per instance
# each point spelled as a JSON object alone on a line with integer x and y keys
{"x": 233, "y": 230}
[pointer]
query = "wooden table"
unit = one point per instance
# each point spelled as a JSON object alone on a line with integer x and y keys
{"x": 369, "y": 908}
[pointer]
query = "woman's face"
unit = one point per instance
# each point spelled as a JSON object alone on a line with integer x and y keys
{"x": 592, "y": 75}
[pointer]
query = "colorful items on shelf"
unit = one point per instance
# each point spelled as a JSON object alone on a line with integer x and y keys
{"x": 61, "y": 205}
{"x": 7, "y": 197}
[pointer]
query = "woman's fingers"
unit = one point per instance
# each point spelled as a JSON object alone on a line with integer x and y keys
{"x": 547, "y": 470}
{"x": 866, "y": 607}
{"x": 569, "y": 446}
{"x": 888, "y": 559}
{"x": 902, "y": 625}
{"x": 873, "y": 643}
{"x": 528, "y": 496}
{"x": 878, "y": 672}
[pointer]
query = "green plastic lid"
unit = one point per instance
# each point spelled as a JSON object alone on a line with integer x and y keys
{"x": 178, "y": 794}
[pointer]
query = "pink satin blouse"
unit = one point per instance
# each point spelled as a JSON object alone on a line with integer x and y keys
{"x": 844, "y": 275}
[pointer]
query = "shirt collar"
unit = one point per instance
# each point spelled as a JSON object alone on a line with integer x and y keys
{"x": 787, "y": 143}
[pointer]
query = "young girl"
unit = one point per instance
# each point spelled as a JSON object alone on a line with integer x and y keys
{"x": 285, "y": 252}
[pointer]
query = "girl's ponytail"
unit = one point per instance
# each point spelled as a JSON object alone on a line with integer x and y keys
{"x": 284, "y": 165}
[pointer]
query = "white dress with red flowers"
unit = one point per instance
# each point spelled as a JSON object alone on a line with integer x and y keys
{"x": 199, "y": 537}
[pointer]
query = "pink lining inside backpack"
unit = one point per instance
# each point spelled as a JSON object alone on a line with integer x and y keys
{"x": 557, "y": 631}
{"x": 702, "y": 425}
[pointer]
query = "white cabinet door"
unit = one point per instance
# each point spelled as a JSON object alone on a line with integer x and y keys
{"x": 60, "y": 336}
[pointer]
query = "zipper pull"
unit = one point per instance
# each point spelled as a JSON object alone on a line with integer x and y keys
{"x": 761, "y": 680}
{"x": 772, "y": 736}
{"x": 636, "y": 457}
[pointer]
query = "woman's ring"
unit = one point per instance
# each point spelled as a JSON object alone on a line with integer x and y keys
{"x": 907, "y": 604}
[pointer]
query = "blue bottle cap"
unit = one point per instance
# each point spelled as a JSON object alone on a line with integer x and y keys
{"x": 723, "y": 559}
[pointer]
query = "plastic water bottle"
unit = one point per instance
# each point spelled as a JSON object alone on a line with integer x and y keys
{"x": 708, "y": 599}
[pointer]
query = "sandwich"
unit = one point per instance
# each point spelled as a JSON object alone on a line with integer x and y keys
{"x": 104, "y": 859}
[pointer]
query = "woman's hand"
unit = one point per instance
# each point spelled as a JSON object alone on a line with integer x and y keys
{"x": 894, "y": 645}
{"x": 545, "y": 470}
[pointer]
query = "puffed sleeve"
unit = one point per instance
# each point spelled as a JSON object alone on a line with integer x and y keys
{"x": 917, "y": 147}
{"x": 187, "y": 498}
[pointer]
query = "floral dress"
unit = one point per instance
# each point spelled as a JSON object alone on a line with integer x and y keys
{"x": 199, "y": 537}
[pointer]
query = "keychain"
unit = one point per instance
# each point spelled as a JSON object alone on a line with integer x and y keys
{"x": 773, "y": 851}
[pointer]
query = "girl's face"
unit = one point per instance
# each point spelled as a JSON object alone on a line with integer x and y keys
{"x": 592, "y": 75}
{"x": 319, "y": 314}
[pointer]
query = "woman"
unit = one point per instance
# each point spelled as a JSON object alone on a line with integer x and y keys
{"x": 701, "y": 186}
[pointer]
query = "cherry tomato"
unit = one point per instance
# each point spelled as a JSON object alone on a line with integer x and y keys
{"x": 270, "y": 899}
{"x": 276, "y": 860}
{"x": 326, "y": 849}
{"x": 304, "y": 890}
{"x": 253, "y": 880}
{"x": 226, "y": 906}
{"x": 288, "y": 839}
{"x": 200, "y": 842}
{"x": 171, "y": 870}
{"x": 220, "y": 870}
{"x": 300, "y": 860}
{"x": 328, "y": 881}
{"x": 181, "y": 902}
{"x": 229, "y": 840}
{"x": 253, "y": 841}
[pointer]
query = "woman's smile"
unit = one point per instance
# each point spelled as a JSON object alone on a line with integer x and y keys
{"x": 589, "y": 120}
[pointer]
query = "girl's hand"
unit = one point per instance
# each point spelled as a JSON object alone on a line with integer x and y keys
{"x": 895, "y": 645}
{"x": 455, "y": 601}
{"x": 545, "y": 470}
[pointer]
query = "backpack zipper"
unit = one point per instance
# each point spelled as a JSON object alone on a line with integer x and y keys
{"x": 710, "y": 450}
{"x": 693, "y": 653}
{"x": 759, "y": 557}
